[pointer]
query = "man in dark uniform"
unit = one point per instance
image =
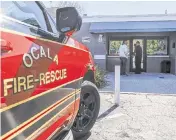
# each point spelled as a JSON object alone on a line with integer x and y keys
{"x": 138, "y": 57}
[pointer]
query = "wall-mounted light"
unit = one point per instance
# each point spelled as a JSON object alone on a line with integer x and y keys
{"x": 100, "y": 38}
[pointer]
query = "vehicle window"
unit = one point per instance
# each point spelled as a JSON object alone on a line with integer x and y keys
{"x": 52, "y": 23}
{"x": 26, "y": 11}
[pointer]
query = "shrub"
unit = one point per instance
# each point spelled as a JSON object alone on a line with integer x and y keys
{"x": 100, "y": 77}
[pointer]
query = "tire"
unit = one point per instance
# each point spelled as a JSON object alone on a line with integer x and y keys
{"x": 87, "y": 88}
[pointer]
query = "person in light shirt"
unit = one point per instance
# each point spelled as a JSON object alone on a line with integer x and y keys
{"x": 123, "y": 53}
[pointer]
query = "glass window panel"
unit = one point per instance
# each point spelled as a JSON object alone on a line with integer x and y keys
{"x": 114, "y": 46}
{"x": 157, "y": 46}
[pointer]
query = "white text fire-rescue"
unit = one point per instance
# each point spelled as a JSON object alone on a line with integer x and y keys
{"x": 36, "y": 54}
{"x": 23, "y": 83}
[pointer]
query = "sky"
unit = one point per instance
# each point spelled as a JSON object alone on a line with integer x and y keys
{"x": 127, "y": 7}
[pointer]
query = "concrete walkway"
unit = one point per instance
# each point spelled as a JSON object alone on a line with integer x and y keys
{"x": 139, "y": 117}
{"x": 144, "y": 83}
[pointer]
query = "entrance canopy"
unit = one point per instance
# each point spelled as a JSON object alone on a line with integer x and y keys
{"x": 133, "y": 26}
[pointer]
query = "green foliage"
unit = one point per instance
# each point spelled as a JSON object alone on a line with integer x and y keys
{"x": 152, "y": 46}
{"x": 114, "y": 46}
{"x": 100, "y": 77}
{"x": 156, "y": 47}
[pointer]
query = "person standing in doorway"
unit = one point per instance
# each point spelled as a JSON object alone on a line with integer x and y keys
{"x": 123, "y": 53}
{"x": 138, "y": 57}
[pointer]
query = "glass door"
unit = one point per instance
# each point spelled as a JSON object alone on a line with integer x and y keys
{"x": 139, "y": 54}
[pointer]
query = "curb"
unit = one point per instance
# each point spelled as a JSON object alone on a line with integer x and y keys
{"x": 139, "y": 93}
{"x": 104, "y": 91}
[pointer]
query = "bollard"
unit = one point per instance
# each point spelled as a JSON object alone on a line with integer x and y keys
{"x": 117, "y": 85}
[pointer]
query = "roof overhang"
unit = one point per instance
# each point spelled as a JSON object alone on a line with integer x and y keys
{"x": 133, "y": 26}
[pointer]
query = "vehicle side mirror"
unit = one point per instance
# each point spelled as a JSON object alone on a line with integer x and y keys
{"x": 68, "y": 20}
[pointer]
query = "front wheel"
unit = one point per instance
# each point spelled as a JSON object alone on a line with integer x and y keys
{"x": 88, "y": 110}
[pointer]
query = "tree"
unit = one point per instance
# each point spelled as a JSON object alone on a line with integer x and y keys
{"x": 152, "y": 46}
{"x": 61, "y": 4}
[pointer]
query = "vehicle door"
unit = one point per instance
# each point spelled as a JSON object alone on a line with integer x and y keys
{"x": 37, "y": 77}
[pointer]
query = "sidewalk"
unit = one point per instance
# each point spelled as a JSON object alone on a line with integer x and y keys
{"x": 139, "y": 117}
{"x": 157, "y": 83}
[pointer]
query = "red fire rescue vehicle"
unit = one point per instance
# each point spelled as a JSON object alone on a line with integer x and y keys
{"x": 47, "y": 78}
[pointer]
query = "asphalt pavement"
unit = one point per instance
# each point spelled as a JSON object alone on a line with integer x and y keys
{"x": 139, "y": 117}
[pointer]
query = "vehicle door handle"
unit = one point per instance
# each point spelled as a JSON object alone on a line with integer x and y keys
{"x": 5, "y": 46}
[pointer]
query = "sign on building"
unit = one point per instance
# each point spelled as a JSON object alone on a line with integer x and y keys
{"x": 100, "y": 38}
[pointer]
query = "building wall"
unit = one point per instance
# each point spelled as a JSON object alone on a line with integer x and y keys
{"x": 138, "y": 34}
{"x": 115, "y": 60}
{"x": 154, "y": 63}
{"x": 99, "y": 49}
{"x": 173, "y": 53}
